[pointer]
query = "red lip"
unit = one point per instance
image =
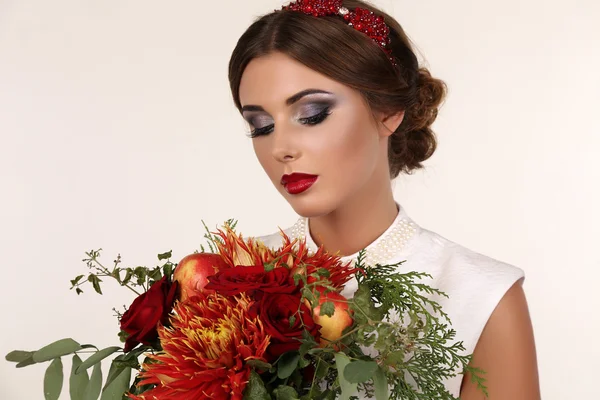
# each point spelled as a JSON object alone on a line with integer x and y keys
{"x": 298, "y": 182}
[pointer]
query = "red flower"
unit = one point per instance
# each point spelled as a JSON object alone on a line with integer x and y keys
{"x": 232, "y": 281}
{"x": 284, "y": 318}
{"x": 205, "y": 351}
{"x": 147, "y": 310}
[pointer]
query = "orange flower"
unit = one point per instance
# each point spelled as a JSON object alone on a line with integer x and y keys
{"x": 296, "y": 255}
{"x": 205, "y": 350}
{"x": 293, "y": 254}
{"x": 239, "y": 252}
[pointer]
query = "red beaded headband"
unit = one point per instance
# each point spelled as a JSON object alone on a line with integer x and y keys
{"x": 361, "y": 19}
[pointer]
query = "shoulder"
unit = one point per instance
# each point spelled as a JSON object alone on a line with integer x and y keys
{"x": 461, "y": 265}
{"x": 506, "y": 352}
{"x": 474, "y": 282}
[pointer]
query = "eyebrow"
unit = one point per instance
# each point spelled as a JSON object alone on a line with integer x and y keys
{"x": 289, "y": 101}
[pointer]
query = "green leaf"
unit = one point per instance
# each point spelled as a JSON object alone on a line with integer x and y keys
{"x": 76, "y": 280}
{"x": 165, "y": 256}
{"x": 327, "y": 309}
{"x": 308, "y": 295}
{"x": 127, "y": 278}
{"x": 360, "y": 371}
{"x": 77, "y": 382}
{"x": 287, "y": 364}
{"x": 95, "y": 283}
{"x": 155, "y": 274}
{"x": 168, "y": 269}
{"x": 395, "y": 358}
{"x": 18, "y": 356}
{"x": 297, "y": 279}
{"x": 115, "y": 370}
{"x": 78, "y": 291}
{"x": 321, "y": 369}
{"x": 348, "y": 388}
{"x": 95, "y": 386}
{"x": 303, "y": 362}
{"x": 53, "y": 380}
{"x": 323, "y": 272}
{"x": 57, "y": 349}
{"x": 255, "y": 389}
{"x": 115, "y": 389}
{"x": 258, "y": 364}
{"x": 26, "y": 362}
{"x": 123, "y": 336}
{"x": 140, "y": 273}
{"x": 285, "y": 393}
{"x": 380, "y": 384}
{"x": 269, "y": 267}
{"x": 97, "y": 357}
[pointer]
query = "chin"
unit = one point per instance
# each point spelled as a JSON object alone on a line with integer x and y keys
{"x": 311, "y": 205}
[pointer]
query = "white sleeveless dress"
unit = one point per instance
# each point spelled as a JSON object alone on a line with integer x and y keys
{"x": 474, "y": 283}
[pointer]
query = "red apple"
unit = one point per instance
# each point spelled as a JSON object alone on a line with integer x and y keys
{"x": 332, "y": 327}
{"x": 193, "y": 270}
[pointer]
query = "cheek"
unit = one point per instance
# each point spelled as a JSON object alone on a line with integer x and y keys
{"x": 349, "y": 149}
{"x": 264, "y": 156}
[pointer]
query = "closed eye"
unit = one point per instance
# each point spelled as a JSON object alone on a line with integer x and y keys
{"x": 312, "y": 120}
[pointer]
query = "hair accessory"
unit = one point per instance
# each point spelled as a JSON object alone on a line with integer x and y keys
{"x": 361, "y": 19}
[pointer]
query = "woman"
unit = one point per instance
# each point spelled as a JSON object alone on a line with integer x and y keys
{"x": 333, "y": 120}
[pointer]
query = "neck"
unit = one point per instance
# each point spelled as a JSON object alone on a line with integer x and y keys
{"x": 358, "y": 222}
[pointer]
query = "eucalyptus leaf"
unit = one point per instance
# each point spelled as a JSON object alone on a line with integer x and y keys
{"x": 348, "y": 388}
{"x": 116, "y": 367}
{"x": 18, "y": 356}
{"x": 95, "y": 386}
{"x": 255, "y": 389}
{"x": 77, "y": 382}
{"x": 53, "y": 380}
{"x": 380, "y": 384}
{"x": 120, "y": 384}
{"x": 57, "y": 349}
{"x": 287, "y": 364}
{"x": 97, "y": 357}
{"x": 321, "y": 369}
{"x": 360, "y": 371}
{"x": 26, "y": 362}
{"x": 303, "y": 362}
{"x": 285, "y": 393}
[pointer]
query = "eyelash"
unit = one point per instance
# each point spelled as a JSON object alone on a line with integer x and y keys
{"x": 312, "y": 120}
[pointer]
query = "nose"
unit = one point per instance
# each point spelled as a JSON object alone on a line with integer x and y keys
{"x": 285, "y": 148}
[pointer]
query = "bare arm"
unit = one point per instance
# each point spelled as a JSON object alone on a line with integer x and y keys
{"x": 506, "y": 351}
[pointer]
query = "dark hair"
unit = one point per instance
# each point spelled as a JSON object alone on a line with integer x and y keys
{"x": 358, "y": 63}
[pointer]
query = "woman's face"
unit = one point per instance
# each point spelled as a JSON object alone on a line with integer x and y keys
{"x": 330, "y": 135}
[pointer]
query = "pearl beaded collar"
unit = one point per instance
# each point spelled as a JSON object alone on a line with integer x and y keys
{"x": 383, "y": 249}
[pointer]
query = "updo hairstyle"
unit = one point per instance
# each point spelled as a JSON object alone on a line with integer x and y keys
{"x": 331, "y": 47}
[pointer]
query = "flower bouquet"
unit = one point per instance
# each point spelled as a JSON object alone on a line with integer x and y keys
{"x": 243, "y": 321}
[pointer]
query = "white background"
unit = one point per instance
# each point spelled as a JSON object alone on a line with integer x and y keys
{"x": 118, "y": 131}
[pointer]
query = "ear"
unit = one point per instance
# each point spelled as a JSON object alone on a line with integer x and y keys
{"x": 389, "y": 123}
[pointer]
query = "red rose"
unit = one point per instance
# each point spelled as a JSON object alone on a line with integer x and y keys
{"x": 147, "y": 310}
{"x": 276, "y": 311}
{"x": 240, "y": 279}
